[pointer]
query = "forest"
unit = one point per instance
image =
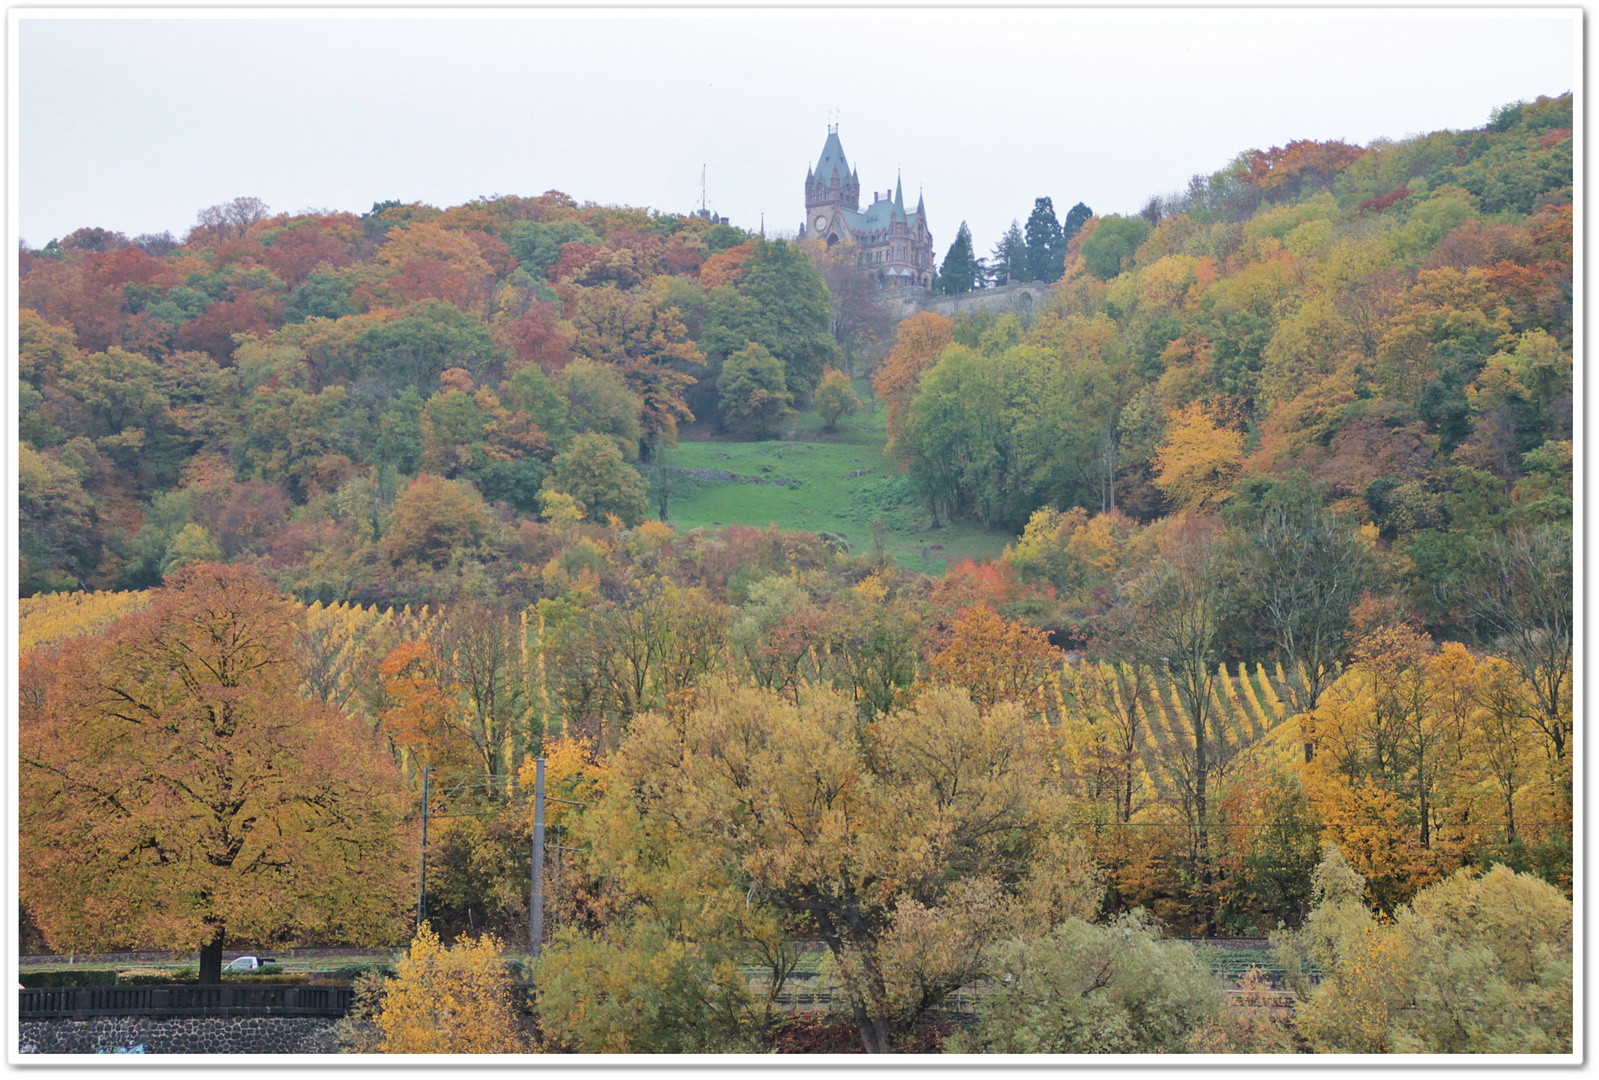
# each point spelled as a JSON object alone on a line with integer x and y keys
{"x": 318, "y": 508}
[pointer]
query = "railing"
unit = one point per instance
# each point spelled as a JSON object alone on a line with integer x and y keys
{"x": 209, "y": 1000}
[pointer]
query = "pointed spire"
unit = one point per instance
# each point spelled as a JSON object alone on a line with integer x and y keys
{"x": 899, "y": 192}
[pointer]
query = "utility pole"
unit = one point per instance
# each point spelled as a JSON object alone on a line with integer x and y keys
{"x": 535, "y": 915}
{"x": 422, "y": 878}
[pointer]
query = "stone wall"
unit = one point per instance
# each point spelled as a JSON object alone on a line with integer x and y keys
{"x": 1022, "y": 297}
{"x": 180, "y": 1035}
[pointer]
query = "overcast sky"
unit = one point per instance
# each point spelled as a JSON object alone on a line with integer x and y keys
{"x": 136, "y": 124}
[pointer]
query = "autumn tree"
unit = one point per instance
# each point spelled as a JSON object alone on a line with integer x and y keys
{"x": 178, "y": 789}
{"x": 1306, "y": 571}
{"x": 450, "y": 1000}
{"x": 997, "y": 660}
{"x": 1197, "y": 464}
{"x": 1170, "y": 617}
{"x": 434, "y": 520}
{"x": 1478, "y": 963}
{"x": 836, "y": 399}
{"x": 643, "y": 335}
{"x": 907, "y": 919}
{"x": 920, "y": 341}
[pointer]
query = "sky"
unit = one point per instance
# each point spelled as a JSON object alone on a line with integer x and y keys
{"x": 135, "y": 124}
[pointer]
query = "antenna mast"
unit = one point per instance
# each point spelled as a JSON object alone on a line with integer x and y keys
{"x": 702, "y": 187}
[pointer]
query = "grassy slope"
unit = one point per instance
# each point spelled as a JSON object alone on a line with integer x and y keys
{"x": 828, "y": 498}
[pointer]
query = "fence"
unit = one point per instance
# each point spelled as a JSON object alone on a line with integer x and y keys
{"x": 209, "y": 1000}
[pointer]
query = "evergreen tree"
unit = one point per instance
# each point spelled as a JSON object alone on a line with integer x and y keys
{"x": 1046, "y": 251}
{"x": 1009, "y": 261}
{"x": 1076, "y": 217}
{"x": 962, "y": 270}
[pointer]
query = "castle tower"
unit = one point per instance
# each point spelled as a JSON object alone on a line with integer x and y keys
{"x": 830, "y": 188}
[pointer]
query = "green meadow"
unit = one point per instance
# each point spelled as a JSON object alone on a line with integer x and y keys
{"x": 816, "y": 481}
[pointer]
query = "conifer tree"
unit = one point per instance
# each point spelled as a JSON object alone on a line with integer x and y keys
{"x": 1076, "y": 218}
{"x": 1009, "y": 261}
{"x": 962, "y": 270}
{"x": 1046, "y": 251}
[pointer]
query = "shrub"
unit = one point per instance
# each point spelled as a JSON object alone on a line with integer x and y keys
{"x": 450, "y": 1000}
{"x": 156, "y": 976}
{"x": 1088, "y": 988}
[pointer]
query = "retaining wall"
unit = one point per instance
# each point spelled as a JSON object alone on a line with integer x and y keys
{"x": 180, "y": 1035}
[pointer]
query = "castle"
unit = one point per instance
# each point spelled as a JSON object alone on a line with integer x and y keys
{"x": 895, "y": 246}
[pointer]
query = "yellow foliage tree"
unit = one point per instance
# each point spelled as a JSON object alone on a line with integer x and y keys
{"x": 450, "y": 1000}
{"x": 1197, "y": 464}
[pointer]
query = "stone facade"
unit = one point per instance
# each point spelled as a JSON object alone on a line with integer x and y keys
{"x": 180, "y": 1035}
{"x": 896, "y": 247}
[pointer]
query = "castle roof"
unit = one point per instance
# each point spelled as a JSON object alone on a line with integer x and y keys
{"x": 878, "y": 216}
{"x": 832, "y": 156}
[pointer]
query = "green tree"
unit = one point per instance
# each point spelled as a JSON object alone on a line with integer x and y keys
{"x": 1046, "y": 246}
{"x": 399, "y": 441}
{"x": 599, "y": 402}
{"x": 593, "y": 472}
{"x": 961, "y": 270}
{"x": 414, "y": 349}
{"x": 642, "y": 989}
{"x": 1010, "y": 259}
{"x": 193, "y": 544}
{"x": 58, "y": 534}
{"x": 1109, "y": 249}
{"x": 752, "y": 389}
{"x": 781, "y": 303}
{"x": 537, "y": 245}
{"x": 532, "y": 391}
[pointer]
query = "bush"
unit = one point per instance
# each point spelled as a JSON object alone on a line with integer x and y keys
{"x": 1476, "y": 964}
{"x": 640, "y": 990}
{"x": 51, "y": 980}
{"x": 1094, "y": 989}
{"x": 276, "y": 978}
{"x": 157, "y": 976}
{"x": 352, "y": 973}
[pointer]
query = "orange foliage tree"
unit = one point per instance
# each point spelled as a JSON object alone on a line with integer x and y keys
{"x": 995, "y": 660}
{"x": 177, "y": 788}
{"x": 921, "y": 340}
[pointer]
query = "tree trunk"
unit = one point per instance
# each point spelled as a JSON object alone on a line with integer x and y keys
{"x": 211, "y": 958}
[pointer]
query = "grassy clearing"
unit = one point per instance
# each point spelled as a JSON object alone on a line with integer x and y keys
{"x": 838, "y": 483}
